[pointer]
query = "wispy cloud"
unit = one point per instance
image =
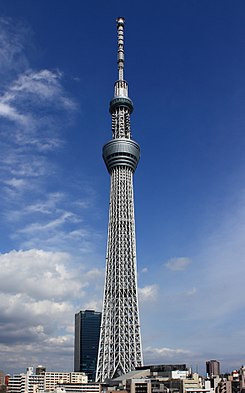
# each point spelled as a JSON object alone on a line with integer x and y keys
{"x": 38, "y": 88}
{"x": 163, "y": 355}
{"x": 148, "y": 293}
{"x": 177, "y": 264}
{"x": 13, "y": 40}
{"x": 33, "y": 103}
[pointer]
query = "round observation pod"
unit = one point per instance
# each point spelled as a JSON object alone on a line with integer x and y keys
{"x": 121, "y": 152}
{"x": 121, "y": 102}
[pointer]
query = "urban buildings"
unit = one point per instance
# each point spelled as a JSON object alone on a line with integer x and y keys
{"x": 48, "y": 381}
{"x": 87, "y": 331}
{"x": 163, "y": 378}
{"x": 120, "y": 340}
{"x": 26, "y": 383}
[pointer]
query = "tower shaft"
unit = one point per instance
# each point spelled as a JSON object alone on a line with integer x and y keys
{"x": 120, "y": 340}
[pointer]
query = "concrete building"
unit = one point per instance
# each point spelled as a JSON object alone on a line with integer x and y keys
{"x": 3, "y": 386}
{"x": 140, "y": 385}
{"x": 45, "y": 381}
{"x": 212, "y": 368}
{"x": 151, "y": 379}
{"x": 17, "y": 383}
{"x": 2, "y": 378}
{"x": 242, "y": 379}
{"x": 81, "y": 387}
{"x": 224, "y": 386}
{"x": 40, "y": 370}
{"x": 34, "y": 381}
{"x": 192, "y": 383}
{"x": 164, "y": 369}
{"x": 52, "y": 379}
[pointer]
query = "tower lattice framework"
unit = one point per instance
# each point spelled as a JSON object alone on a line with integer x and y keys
{"x": 120, "y": 341}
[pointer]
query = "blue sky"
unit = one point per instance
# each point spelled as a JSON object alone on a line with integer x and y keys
{"x": 185, "y": 64}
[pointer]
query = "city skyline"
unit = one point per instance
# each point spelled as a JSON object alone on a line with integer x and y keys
{"x": 185, "y": 68}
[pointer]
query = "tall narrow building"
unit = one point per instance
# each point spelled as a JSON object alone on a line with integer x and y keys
{"x": 87, "y": 331}
{"x": 120, "y": 340}
{"x": 212, "y": 368}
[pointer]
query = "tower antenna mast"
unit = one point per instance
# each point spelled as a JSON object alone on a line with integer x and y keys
{"x": 120, "y": 47}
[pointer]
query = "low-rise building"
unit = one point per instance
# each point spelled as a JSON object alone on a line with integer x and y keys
{"x": 44, "y": 381}
{"x": 91, "y": 387}
{"x": 192, "y": 383}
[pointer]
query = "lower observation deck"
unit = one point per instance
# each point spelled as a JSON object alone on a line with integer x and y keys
{"x": 121, "y": 152}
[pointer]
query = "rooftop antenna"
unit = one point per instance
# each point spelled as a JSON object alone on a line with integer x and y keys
{"x": 120, "y": 50}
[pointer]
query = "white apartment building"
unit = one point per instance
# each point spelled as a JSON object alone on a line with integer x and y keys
{"x": 48, "y": 381}
{"x": 17, "y": 383}
{"x": 52, "y": 379}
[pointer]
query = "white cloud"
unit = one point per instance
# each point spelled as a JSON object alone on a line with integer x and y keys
{"x": 40, "y": 88}
{"x": 41, "y": 275}
{"x": 33, "y": 105}
{"x": 46, "y": 206}
{"x": 15, "y": 183}
{"x": 39, "y": 227}
{"x": 162, "y": 355}
{"x": 11, "y": 113}
{"x": 191, "y": 292}
{"x": 148, "y": 293}
{"x": 13, "y": 38}
{"x": 177, "y": 264}
{"x": 24, "y": 97}
{"x": 40, "y": 292}
{"x": 167, "y": 352}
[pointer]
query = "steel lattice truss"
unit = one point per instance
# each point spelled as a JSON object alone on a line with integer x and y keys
{"x": 120, "y": 349}
{"x": 120, "y": 340}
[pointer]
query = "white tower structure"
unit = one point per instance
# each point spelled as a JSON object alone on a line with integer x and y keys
{"x": 120, "y": 340}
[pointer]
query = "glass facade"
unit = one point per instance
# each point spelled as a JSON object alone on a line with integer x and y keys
{"x": 87, "y": 332}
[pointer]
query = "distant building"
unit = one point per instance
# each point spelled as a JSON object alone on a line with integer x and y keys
{"x": 87, "y": 332}
{"x": 224, "y": 386}
{"x": 2, "y": 382}
{"x": 212, "y": 368}
{"x": 242, "y": 379}
{"x": 81, "y": 388}
{"x": 191, "y": 384}
{"x": 2, "y": 378}
{"x": 151, "y": 379}
{"x": 52, "y": 379}
{"x": 45, "y": 381}
{"x": 160, "y": 369}
{"x": 40, "y": 370}
{"x": 17, "y": 383}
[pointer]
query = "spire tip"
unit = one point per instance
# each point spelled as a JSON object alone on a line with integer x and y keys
{"x": 120, "y": 20}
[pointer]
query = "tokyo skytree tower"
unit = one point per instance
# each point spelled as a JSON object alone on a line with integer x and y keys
{"x": 120, "y": 340}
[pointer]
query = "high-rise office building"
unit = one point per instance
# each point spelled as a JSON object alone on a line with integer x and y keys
{"x": 212, "y": 368}
{"x": 87, "y": 330}
{"x": 120, "y": 340}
